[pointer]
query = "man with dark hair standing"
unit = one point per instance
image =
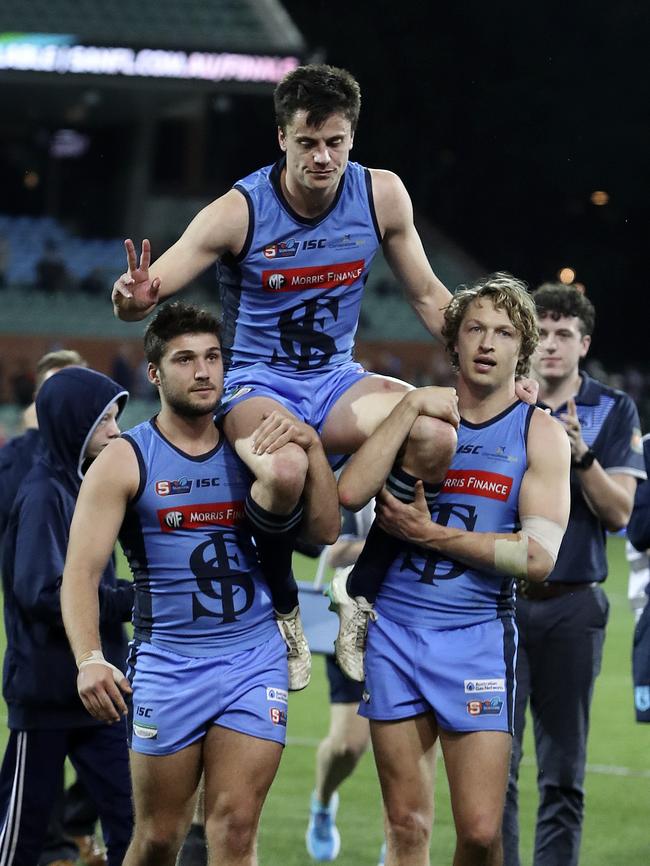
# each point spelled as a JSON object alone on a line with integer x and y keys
{"x": 562, "y": 622}
{"x": 208, "y": 666}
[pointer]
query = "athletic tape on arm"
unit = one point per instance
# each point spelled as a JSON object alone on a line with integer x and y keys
{"x": 96, "y": 657}
{"x": 511, "y": 555}
{"x": 545, "y": 532}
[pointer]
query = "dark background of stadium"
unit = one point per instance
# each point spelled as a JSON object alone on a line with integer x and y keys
{"x": 502, "y": 119}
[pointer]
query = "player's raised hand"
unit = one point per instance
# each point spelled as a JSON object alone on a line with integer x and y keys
{"x": 134, "y": 294}
{"x": 572, "y": 426}
{"x": 436, "y": 402}
{"x": 277, "y": 429}
{"x": 527, "y": 390}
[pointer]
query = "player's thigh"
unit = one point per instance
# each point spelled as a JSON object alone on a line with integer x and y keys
{"x": 359, "y": 411}
{"x": 405, "y": 754}
{"x": 241, "y": 422}
{"x": 477, "y": 769}
{"x": 238, "y": 772}
{"x": 349, "y": 732}
{"x": 164, "y": 789}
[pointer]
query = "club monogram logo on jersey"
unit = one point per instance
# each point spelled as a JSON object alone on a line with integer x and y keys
{"x": 436, "y": 567}
{"x": 303, "y": 336}
{"x": 220, "y": 565}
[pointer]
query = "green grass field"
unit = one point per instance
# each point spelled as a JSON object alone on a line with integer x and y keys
{"x": 618, "y": 777}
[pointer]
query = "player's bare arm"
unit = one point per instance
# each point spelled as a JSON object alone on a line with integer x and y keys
{"x": 404, "y": 252}
{"x": 321, "y": 522}
{"x": 367, "y": 470}
{"x": 108, "y": 485}
{"x": 544, "y": 501}
{"x": 610, "y": 496}
{"x": 219, "y": 228}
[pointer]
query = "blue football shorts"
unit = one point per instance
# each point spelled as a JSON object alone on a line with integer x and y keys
{"x": 464, "y": 676}
{"x": 308, "y": 395}
{"x": 342, "y": 689}
{"x": 641, "y": 666}
{"x": 177, "y": 698}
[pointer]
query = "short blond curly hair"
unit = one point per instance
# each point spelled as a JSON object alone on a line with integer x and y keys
{"x": 506, "y": 293}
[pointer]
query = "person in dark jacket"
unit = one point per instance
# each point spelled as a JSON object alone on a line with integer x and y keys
{"x": 71, "y": 833}
{"x": 19, "y": 454}
{"x": 77, "y": 414}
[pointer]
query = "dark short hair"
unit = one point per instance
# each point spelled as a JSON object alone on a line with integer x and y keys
{"x": 321, "y": 91}
{"x": 174, "y": 320}
{"x": 558, "y": 299}
{"x": 57, "y": 360}
{"x": 506, "y": 293}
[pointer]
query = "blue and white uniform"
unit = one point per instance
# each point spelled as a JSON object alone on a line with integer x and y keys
{"x": 445, "y": 639}
{"x": 291, "y": 298}
{"x": 206, "y": 646}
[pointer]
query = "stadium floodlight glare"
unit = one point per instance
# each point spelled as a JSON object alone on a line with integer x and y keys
{"x": 63, "y": 54}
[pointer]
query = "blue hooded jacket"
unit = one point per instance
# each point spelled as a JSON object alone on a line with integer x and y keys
{"x": 40, "y": 675}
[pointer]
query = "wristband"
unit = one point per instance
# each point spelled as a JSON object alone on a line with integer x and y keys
{"x": 585, "y": 461}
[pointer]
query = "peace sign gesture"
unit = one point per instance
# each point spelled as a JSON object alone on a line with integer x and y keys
{"x": 134, "y": 295}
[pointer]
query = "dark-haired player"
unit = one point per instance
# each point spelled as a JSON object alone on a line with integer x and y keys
{"x": 208, "y": 666}
{"x": 295, "y": 242}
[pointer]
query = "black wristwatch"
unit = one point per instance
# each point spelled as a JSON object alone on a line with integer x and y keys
{"x": 585, "y": 461}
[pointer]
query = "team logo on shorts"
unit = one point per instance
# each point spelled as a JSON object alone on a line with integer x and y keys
{"x": 173, "y": 488}
{"x": 279, "y": 695}
{"x": 491, "y": 707}
{"x": 278, "y": 717}
{"x": 145, "y": 732}
{"x": 494, "y": 685}
{"x": 365, "y": 697}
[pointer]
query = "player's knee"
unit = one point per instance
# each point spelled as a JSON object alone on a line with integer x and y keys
{"x": 431, "y": 445}
{"x": 480, "y": 833}
{"x": 348, "y": 750}
{"x": 286, "y": 470}
{"x": 233, "y": 830}
{"x": 409, "y": 827}
{"x": 158, "y": 844}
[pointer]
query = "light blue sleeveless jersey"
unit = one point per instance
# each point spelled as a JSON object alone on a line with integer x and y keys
{"x": 291, "y": 298}
{"x": 480, "y": 494}
{"x": 198, "y": 587}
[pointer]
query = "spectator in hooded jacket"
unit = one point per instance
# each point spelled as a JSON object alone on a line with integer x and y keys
{"x": 77, "y": 414}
